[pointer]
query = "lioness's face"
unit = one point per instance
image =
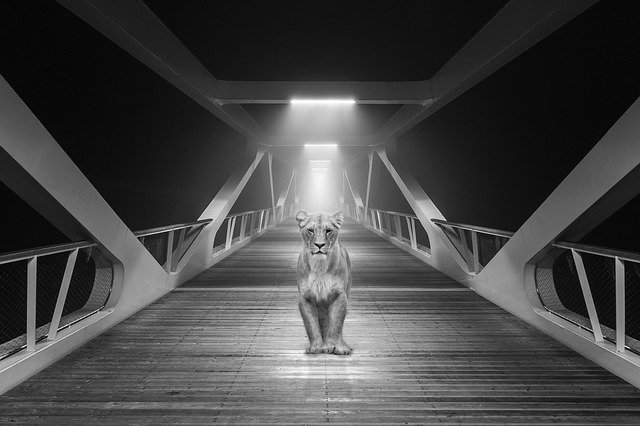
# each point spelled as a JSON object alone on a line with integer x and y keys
{"x": 319, "y": 230}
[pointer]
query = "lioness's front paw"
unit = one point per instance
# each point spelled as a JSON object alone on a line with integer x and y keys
{"x": 314, "y": 349}
{"x": 328, "y": 348}
{"x": 342, "y": 350}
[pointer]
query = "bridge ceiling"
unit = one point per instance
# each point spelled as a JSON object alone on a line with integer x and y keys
{"x": 309, "y": 123}
{"x": 289, "y": 40}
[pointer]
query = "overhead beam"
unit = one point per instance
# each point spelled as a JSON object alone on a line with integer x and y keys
{"x": 281, "y": 92}
{"x": 301, "y": 140}
{"x": 131, "y": 25}
{"x": 514, "y": 29}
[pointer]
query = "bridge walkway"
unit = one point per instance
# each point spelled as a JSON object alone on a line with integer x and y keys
{"x": 228, "y": 346}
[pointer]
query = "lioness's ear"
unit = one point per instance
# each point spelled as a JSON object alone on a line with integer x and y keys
{"x": 302, "y": 217}
{"x": 337, "y": 219}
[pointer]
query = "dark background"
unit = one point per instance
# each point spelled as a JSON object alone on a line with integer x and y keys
{"x": 488, "y": 158}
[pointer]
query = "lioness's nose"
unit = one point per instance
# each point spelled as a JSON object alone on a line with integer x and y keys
{"x": 319, "y": 245}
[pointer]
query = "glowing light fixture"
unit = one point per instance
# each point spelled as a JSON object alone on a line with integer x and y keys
{"x": 324, "y": 145}
{"x": 320, "y": 161}
{"x": 322, "y": 101}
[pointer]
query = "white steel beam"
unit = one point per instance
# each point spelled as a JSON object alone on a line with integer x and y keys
{"x": 131, "y": 25}
{"x": 281, "y": 92}
{"x": 273, "y": 196}
{"x": 366, "y": 200}
{"x": 514, "y": 29}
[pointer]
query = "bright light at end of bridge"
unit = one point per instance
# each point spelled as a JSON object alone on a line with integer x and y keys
{"x": 321, "y": 145}
{"x": 320, "y": 161}
{"x": 322, "y": 101}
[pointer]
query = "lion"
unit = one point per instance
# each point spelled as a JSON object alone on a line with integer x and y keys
{"x": 324, "y": 281}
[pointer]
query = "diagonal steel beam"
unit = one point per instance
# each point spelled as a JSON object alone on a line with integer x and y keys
{"x": 131, "y": 25}
{"x": 515, "y": 28}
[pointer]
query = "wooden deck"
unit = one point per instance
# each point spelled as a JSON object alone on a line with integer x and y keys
{"x": 229, "y": 347}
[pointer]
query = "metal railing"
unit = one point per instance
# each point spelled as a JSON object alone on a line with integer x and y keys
{"x": 403, "y": 227}
{"x": 169, "y": 244}
{"x": 238, "y": 227}
{"x": 592, "y": 287}
{"x": 476, "y": 245}
{"x": 48, "y": 289}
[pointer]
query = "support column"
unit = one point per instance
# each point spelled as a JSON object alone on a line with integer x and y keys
{"x": 273, "y": 203}
{"x": 366, "y": 202}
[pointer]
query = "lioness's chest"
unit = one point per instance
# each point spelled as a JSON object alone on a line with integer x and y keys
{"x": 321, "y": 287}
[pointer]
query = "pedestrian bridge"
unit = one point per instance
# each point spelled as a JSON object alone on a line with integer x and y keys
{"x": 153, "y": 156}
{"x": 228, "y": 346}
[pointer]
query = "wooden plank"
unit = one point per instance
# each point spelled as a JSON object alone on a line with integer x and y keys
{"x": 426, "y": 354}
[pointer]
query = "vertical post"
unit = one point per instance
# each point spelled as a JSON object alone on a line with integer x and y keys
{"x": 465, "y": 249}
{"x": 344, "y": 193}
{"x": 32, "y": 272}
{"x": 62, "y": 295}
{"x": 243, "y": 226}
{"x": 273, "y": 201}
{"x": 398, "y": 226}
{"x": 294, "y": 207}
{"x": 230, "y": 223}
{"x": 366, "y": 198}
{"x": 260, "y": 226}
{"x": 620, "y": 306}
{"x": 476, "y": 254}
{"x": 179, "y": 248}
{"x": 168, "y": 263}
{"x": 588, "y": 298}
{"x": 379, "y": 220}
{"x": 411, "y": 226}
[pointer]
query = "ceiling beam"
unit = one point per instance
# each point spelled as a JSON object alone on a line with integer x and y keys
{"x": 301, "y": 140}
{"x": 133, "y": 27}
{"x": 514, "y": 29}
{"x": 281, "y": 92}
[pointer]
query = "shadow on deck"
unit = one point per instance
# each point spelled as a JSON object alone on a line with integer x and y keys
{"x": 228, "y": 346}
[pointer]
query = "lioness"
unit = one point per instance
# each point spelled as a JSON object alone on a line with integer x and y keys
{"x": 324, "y": 280}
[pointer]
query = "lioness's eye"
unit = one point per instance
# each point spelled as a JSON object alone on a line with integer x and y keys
{"x": 310, "y": 231}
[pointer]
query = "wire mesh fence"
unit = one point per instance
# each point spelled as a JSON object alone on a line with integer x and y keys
{"x": 560, "y": 292}
{"x": 403, "y": 227}
{"x": 89, "y": 288}
{"x": 475, "y": 245}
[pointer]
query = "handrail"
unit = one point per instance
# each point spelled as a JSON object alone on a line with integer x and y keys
{"x": 161, "y": 229}
{"x": 600, "y": 251}
{"x": 44, "y": 251}
{"x": 411, "y": 216}
{"x": 247, "y": 212}
{"x": 491, "y": 231}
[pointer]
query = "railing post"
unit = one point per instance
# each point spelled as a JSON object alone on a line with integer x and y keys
{"x": 398, "y": 227}
{"x": 168, "y": 263}
{"x": 476, "y": 254}
{"x": 179, "y": 248}
{"x": 261, "y": 219}
{"x": 243, "y": 226}
{"x": 620, "y": 306}
{"x": 32, "y": 272}
{"x": 588, "y": 298}
{"x": 62, "y": 295}
{"x": 230, "y": 225}
{"x": 379, "y": 220}
{"x": 411, "y": 225}
{"x": 465, "y": 248}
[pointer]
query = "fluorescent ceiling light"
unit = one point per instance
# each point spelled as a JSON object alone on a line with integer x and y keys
{"x": 328, "y": 145}
{"x": 319, "y": 161}
{"x": 322, "y": 101}
{"x": 318, "y": 169}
